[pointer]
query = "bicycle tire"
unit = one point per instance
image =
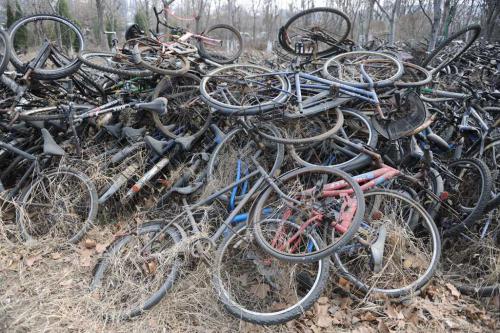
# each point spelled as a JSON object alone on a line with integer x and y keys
{"x": 165, "y": 82}
{"x": 204, "y": 53}
{"x": 278, "y": 100}
{"x": 472, "y": 213}
{"x": 316, "y": 138}
{"x": 115, "y": 247}
{"x": 256, "y": 316}
{"x": 404, "y": 84}
{"x": 90, "y": 189}
{"x": 494, "y": 202}
{"x": 136, "y": 72}
{"x": 184, "y": 68}
{"x": 39, "y": 73}
{"x": 476, "y": 29}
{"x": 289, "y": 48}
{"x": 214, "y": 159}
{"x": 360, "y": 160}
{"x": 380, "y": 83}
{"x": 5, "y": 53}
{"x": 422, "y": 281}
{"x": 326, "y": 251}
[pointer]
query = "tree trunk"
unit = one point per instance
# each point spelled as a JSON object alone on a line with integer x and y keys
{"x": 435, "y": 25}
{"x": 392, "y": 22}
{"x": 100, "y": 23}
{"x": 492, "y": 12}
{"x": 369, "y": 19}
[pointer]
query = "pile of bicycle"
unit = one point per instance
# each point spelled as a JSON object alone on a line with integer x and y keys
{"x": 329, "y": 160}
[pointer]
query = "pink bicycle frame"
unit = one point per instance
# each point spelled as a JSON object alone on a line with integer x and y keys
{"x": 367, "y": 181}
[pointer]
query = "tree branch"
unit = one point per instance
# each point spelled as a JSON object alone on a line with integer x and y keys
{"x": 382, "y": 10}
{"x": 423, "y": 11}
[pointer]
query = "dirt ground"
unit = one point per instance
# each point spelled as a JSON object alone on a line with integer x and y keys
{"x": 43, "y": 289}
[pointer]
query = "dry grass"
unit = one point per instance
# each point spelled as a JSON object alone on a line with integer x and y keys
{"x": 44, "y": 288}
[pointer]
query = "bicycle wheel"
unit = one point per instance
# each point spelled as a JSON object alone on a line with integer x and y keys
{"x": 261, "y": 289}
{"x": 231, "y": 161}
{"x": 491, "y": 156}
{"x": 185, "y": 109}
{"x": 356, "y": 128}
{"x": 315, "y": 31}
{"x": 470, "y": 260}
{"x": 4, "y": 51}
{"x": 398, "y": 248}
{"x": 451, "y": 48}
{"x": 243, "y": 89}
{"x": 468, "y": 184}
{"x": 159, "y": 62}
{"x": 60, "y": 204}
{"x": 303, "y": 130}
{"x": 222, "y": 44}
{"x": 345, "y": 68}
{"x": 323, "y": 200}
{"x": 136, "y": 271}
{"x": 115, "y": 63}
{"x": 30, "y": 34}
{"x": 413, "y": 76}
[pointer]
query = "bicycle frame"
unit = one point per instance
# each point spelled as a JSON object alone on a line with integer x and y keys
{"x": 326, "y": 88}
{"x": 33, "y": 166}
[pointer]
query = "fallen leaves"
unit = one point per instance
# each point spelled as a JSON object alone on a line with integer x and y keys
{"x": 323, "y": 318}
{"x": 454, "y": 291}
{"x": 260, "y": 290}
{"x": 30, "y": 261}
{"x": 89, "y": 243}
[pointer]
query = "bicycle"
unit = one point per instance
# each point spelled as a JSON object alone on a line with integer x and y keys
{"x": 50, "y": 200}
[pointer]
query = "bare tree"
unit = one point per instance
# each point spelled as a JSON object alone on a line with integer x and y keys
{"x": 369, "y": 18}
{"x": 100, "y": 22}
{"x": 255, "y": 10}
{"x": 391, "y": 18}
{"x": 435, "y": 24}
{"x": 199, "y": 8}
{"x": 491, "y": 10}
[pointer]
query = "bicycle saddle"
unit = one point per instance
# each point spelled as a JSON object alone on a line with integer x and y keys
{"x": 158, "y": 105}
{"x": 50, "y": 147}
{"x": 38, "y": 124}
{"x": 157, "y": 146}
{"x": 186, "y": 141}
{"x": 133, "y": 134}
{"x": 115, "y": 130}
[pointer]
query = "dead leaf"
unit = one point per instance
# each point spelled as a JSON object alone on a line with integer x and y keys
{"x": 322, "y": 300}
{"x": 100, "y": 248}
{"x": 392, "y": 312}
{"x": 368, "y": 316}
{"x": 86, "y": 257}
{"x": 454, "y": 291}
{"x": 382, "y": 327}
{"x": 30, "y": 261}
{"x": 344, "y": 284}
{"x": 149, "y": 202}
{"x": 89, "y": 243}
{"x": 151, "y": 267}
{"x": 56, "y": 255}
{"x": 260, "y": 290}
{"x": 323, "y": 318}
{"x": 66, "y": 283}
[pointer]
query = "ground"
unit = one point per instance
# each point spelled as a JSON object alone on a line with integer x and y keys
{"x": 44, "y": 289}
